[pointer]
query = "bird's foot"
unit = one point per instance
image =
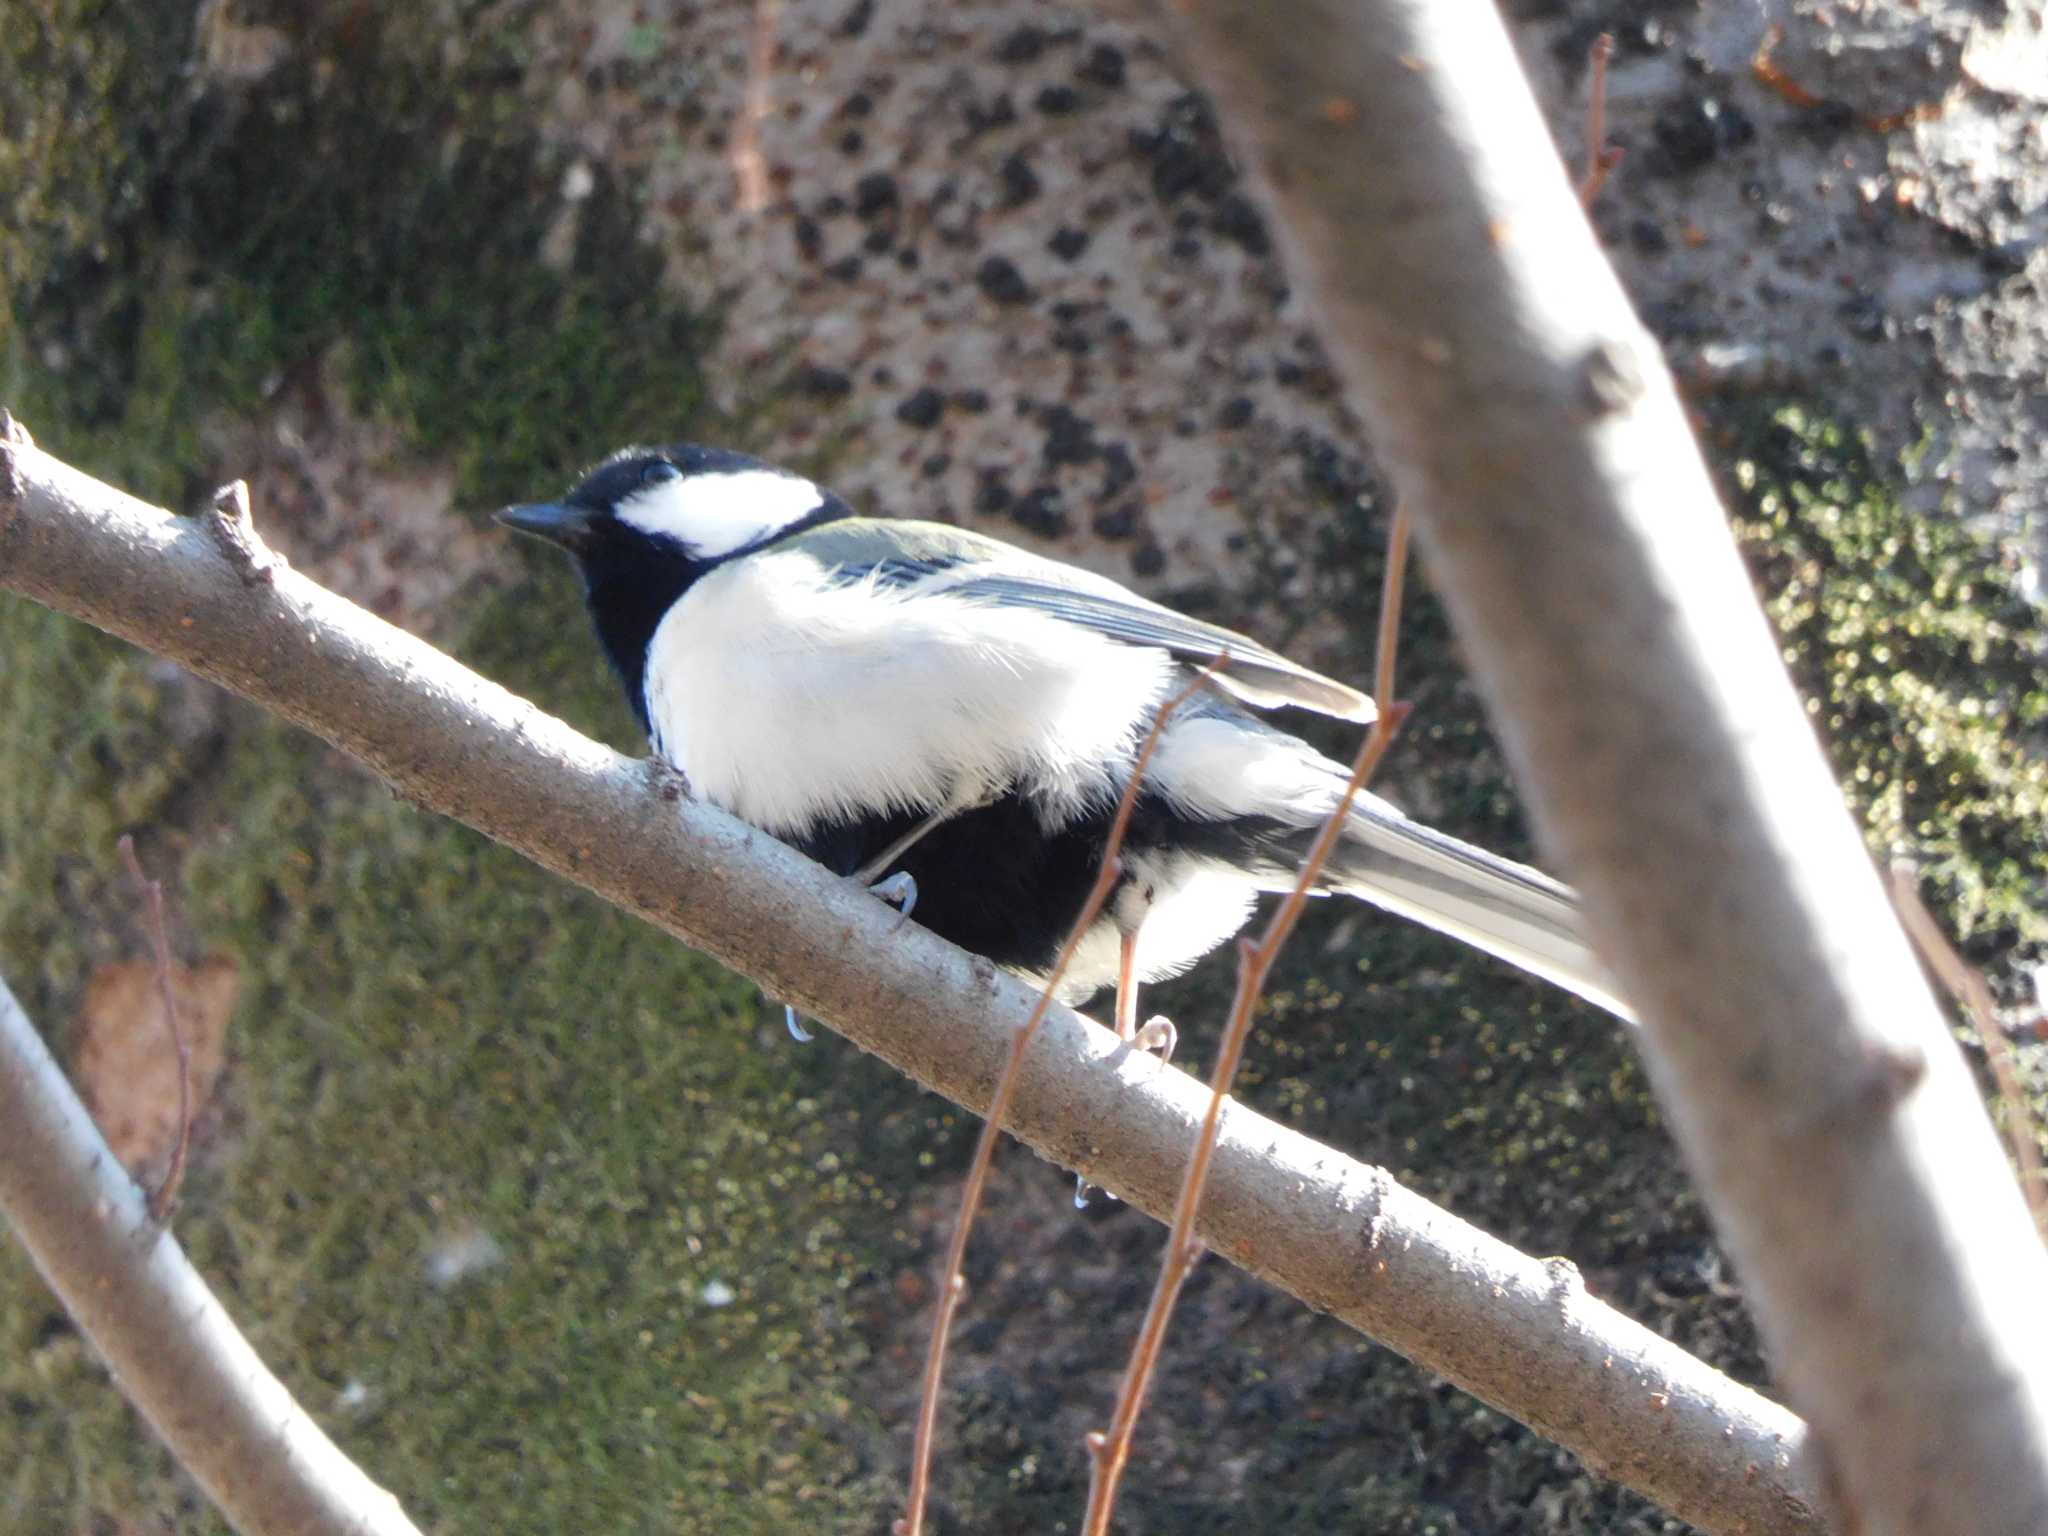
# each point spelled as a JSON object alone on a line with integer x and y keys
{"x": 900, "y": 891}
{"x": 1158, "y": 1036}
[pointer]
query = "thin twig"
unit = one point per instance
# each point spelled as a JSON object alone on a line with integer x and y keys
{"x": 165, "y": 1194}
{"x": 1967, "y": 985}
{"x": 951, "y": 1281}
{"x": 1601, "y": 156}
{"x": 1393, "y": 586}
{"x": 1110, "y": 1451}
{"x": 748, "y": 163}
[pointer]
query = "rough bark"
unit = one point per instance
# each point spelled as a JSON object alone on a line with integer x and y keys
{"x": 1522, "y": 1334}
{"x": 1837, "y": 201}
{"x": 1523, "y": 412}
{"x": 1859, "y": 221}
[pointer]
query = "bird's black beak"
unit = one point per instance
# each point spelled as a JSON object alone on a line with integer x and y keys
{"x": 550, "y": 520}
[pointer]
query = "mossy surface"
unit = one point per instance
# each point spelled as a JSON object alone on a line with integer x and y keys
{"x": 1923, "y": 665}
{"x": 74, "y": 166}
{"x": 379, "y": 196}
{"x": 437, "y": 1044}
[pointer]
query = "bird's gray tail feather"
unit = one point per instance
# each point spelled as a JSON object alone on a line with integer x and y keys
{"x": 1494, "y": 904}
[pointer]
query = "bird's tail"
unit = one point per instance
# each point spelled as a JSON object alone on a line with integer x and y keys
{"x": 1494, "y": 904}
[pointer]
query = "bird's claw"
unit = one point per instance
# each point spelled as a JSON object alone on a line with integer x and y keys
{"x": 1158, "y": 1036}
{"x": 900, "y": 891}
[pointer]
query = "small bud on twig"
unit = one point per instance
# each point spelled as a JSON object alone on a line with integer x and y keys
{"x": 234, "y": 530}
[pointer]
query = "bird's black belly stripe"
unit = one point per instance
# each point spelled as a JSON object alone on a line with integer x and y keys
{"x": 991, "y": 880}
{"x": 994, "y": 881}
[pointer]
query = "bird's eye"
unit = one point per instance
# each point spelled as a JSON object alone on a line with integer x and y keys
{"x": 658, "y": 471}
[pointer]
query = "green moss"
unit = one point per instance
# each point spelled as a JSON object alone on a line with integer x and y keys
{"x": 87, "y": 755}
{"x": 72, "y": 165}
{"x": 434, "y": 1038}
{"x": 1922, "y": 664}
{"x": 380, "y": 197}
{"x": 437, "y": 1039}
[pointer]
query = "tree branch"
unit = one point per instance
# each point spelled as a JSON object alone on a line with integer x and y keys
{"x": 171, "y": 1346}
{"x": 1520, "y": 1334}
{"x": 1520, "y": 407}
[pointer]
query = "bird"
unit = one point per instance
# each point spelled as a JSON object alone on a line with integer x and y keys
{"x": 952, "y": 721}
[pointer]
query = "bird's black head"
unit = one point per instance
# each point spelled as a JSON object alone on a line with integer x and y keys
{"x": 645, "y": 524}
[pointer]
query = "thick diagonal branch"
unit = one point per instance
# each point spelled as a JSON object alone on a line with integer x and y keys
{"x": 1524, "y": 413}
{"x": 1343, "y": 1237}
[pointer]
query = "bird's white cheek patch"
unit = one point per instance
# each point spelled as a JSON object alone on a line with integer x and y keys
{"x": 716, "y": 514}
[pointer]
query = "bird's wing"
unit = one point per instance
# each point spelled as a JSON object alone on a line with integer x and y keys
{"x": 1257, "y": 675}
{"x": 933, "y": 559}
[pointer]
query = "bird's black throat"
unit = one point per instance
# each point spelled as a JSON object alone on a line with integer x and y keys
{"x": 630, "y": 590}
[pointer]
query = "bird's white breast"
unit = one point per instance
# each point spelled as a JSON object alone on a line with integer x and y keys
{"x": 790, "y": 700}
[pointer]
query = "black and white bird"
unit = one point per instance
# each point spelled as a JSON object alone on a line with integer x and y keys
{"x": 953, "y": 720}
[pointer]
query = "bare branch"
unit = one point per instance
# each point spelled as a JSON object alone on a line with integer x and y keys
{"x": 172, "y": 1348}
{"x": 1345, "y": 1238}
{"x": 1601, "y": 156}
{"x": 1521, "y": 408}
{"x": 749, "y": 164}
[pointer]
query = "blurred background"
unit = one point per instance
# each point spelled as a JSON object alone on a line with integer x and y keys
{"x": 544, "y": 1216}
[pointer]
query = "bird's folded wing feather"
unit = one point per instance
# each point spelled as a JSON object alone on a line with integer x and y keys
{"x": 1255, "y": 674}
{"x": 934, "y": 560}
